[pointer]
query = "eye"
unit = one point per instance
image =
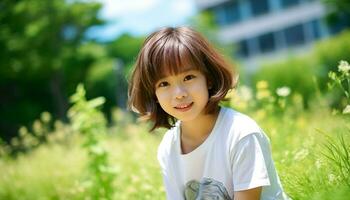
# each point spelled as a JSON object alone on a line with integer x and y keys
{"x": 163, "y": 84}
{"x": 189, "y": 77}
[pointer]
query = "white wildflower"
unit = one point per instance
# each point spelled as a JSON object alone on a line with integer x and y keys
{"x": 331, "y": 178}
{"x": 245, "y": 93}
{"x": 283, "y": 91}
{"x": 318, "y": 164}
{"x": 301, "y": 154}
{"x": 343, "y": 66}
{"x": 346, "y": 110}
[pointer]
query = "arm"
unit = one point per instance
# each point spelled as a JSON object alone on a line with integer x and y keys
{"x": 251, "y": 194}
{"x": 249, "y": 168}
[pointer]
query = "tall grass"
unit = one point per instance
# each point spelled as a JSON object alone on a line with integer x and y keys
{"x": 85, "y": 159}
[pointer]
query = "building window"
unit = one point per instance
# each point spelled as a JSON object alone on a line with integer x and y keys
{"x": 266, "y": 43}
{"x": 294, "y": 35}
{"x": 259, "y": 7}
{"x": 289, "y": 3}
{"x": 315, "y": 27}
{"x": 242, "y": 49}
{"x": 227, "y": 13}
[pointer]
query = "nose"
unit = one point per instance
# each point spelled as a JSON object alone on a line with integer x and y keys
{"x": 180, "y": 92}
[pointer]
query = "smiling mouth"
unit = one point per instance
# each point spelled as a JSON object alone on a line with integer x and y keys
{"x": 184, "y": 107}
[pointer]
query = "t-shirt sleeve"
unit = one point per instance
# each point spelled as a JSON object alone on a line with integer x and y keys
{"x": 248, "y": 165}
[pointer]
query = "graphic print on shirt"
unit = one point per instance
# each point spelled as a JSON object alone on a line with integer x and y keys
{"x": 206, "y": 189}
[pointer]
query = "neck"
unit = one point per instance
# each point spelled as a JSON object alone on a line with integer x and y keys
{"x": 199, "y": 128}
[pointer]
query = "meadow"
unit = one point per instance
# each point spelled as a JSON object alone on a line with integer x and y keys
{"x": 86, "y": 159}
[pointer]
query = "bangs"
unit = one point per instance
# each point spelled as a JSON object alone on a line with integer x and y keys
{"x": 173, "y": 57}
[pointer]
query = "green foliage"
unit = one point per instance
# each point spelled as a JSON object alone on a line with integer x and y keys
{"x": 323, "y": 172}
{"x": 204, "y": 22}
{"x": 29, "y": 139}
{"x": 126, "y": 48}
{"x": 89, "y": 121}
{"x": 295, "y": 73}
{"x": 40, "y": 53}
{"x": 60, "y": 25}
{"x": 298, "y": 149}
{"x": 47, "y": 172}
{"x": 338, "y": 154}
{"x": 328, "y": 53}
{"x": 307, "y": 75}
{"x": 105, "y": 78}
{"x": 342, "y": 81}
{"x": 338, "y": 12}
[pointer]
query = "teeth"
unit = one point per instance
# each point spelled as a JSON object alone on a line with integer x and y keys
{"x": 183, "y": 106}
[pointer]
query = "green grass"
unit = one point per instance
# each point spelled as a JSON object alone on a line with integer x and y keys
{"x": 300, "y": 147}
{"x": 49, "y": 172}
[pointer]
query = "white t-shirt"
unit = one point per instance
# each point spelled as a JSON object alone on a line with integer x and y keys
{"x": 235, "y": 156}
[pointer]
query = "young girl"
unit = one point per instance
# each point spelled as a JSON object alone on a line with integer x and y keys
{"x": 210, "y": 152}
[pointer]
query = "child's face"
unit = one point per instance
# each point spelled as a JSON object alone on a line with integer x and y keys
{"x": 183, "y": 96}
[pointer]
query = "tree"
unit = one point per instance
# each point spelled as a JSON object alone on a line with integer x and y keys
{"x": 338, "y": 14}
{"x": 41, "y": 58}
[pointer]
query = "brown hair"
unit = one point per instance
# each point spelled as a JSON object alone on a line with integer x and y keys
{"x": 172, "y": 51}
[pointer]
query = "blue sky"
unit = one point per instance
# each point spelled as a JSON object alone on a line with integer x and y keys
{"x": 141, "y": 17}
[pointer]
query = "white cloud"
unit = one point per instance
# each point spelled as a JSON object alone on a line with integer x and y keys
{"x": 119, "y": 8}
{"x": 140, "y": 17}
{"x": 182, "y": 6}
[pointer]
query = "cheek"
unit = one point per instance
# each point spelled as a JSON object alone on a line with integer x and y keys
{"x": 163, "y": 101}
{"x": 200, "y": 88}
{"x": 161, "y": 97}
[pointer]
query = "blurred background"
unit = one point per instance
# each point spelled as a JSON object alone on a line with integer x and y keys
{"x": 284, "y": 51}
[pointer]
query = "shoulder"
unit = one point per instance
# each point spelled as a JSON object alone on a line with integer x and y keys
{"x": 240, "y": 124}
{"x": 167, "y": 145}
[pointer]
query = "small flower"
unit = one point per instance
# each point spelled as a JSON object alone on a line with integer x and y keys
{"x": 331, "y": 178}
{"x": 45, "y": 117}
{"x": 332, "y": 75}
{"x": 38, "y": 128}
{"x": 262, "y": 85}
{"x": 283, "y": 91}
{"x": 245, "y": 93}
{"x": 23, "y": 131}
{"x": 262, "y": 94}
{"x": 343, "y": 66}
{"x": 301, "y": 154}
{"x": 318, "y": 164}
{"x": 346, "y": 110}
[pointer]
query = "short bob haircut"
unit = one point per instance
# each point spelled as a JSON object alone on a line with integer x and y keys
{"x": 171, "y": 51}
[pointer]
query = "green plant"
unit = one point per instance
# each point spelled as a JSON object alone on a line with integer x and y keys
{"x": 338, "y": 154}
{"x": 327, "y": 52}
{"x": 90, "y": 122}
{"x": 295, "y": 72}
{"x": 342, "y": 81}
{"x": 31, "y": 138}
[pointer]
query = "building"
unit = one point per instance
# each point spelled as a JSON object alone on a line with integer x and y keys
{"x": 264, "y": 30}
